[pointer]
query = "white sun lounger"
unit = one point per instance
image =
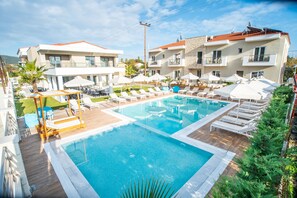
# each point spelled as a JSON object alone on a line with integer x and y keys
{"x": 246, "y": 110}
{"x": 159, "y": 90}
{"x": 242, "y": 130}
{"x": 211, "y": 94}
{"x": 183, "y": 91}
{"x": 88, "y": 103}
{"x": 137, "y": 95}
{"x": 127, "y": 97}
{"x": 243, "y": 115}
{"x": 254, "y": 107}
{"x": 193, "y": 91}
{"x": 155, "y": 92}
{"x": 203, "y": 93}
{"x": 74, "y": 106}
{"x": 115, "y": 98}
{"x": 146, "y": 93}
{"x": 237, "y": 121}
{"x": 255, "y": 103}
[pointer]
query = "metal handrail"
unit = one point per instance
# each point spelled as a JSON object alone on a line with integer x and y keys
{"x": 11, "y": 125}
{"x": 176, "y": 61}
{"x": 259, "y": 58}
{"x": 211, "y": 60}
{"x": 76, "y": 64}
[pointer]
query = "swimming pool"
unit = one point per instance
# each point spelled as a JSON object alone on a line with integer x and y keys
{"x": 116, "y": 158}
{"x": 171, "y": 114}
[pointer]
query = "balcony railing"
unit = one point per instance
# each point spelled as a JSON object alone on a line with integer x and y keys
{"x": 77, "y": 64}
{"x": 210, "y": 61}
{"x": 262, "y": 60}
{"x": 154, "y": 63}
{"x": 176, "y": 62}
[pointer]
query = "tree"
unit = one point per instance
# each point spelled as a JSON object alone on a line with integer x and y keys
{"x": 130, "y": 71}
{"x": 291, "y": 61}
{"x": 31, "y": 73}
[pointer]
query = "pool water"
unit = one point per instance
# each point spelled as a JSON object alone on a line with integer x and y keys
{"x": 112, "y": 160}
{"x": 171, "y": 114}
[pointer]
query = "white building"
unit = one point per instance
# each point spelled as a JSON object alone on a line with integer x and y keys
{"x": 68, "y": 60}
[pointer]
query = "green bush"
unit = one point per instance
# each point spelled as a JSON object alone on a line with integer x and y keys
{"x": 262, "y": 167}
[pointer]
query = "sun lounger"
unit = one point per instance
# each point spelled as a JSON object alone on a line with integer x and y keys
{"x": 242, "y": 130}
{"x": 115, "y": 98}
{"x": 211, "y": 94}
{"x": 193, "y": 91}
{"x": 255, "y": 103}
{"x": 245, "y": 110}
{"x": 254, "y": 107}
{"x": 89, "y": 103}
{"x": 203, "y": 93}
{"x": 154, "y": 92}
{"x": 137, "y": 95}
{"x": 159, "y": 90}
{"x": 183, "y": 91}
{"x": 74, "y": 106}
{"x": 127, "y": 97}
{"x": 243, "y": 115}
{"x": 63, "y": 124}
{"x": 146, "y": 93}
{"x": 237, "y": 121}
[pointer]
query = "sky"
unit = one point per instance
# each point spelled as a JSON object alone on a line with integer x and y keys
{"x": 114, "y": 24}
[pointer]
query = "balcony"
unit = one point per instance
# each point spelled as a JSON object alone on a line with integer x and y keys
{"x": 76, "y": 64}
{"x": 262, "y": 60}
{"x": 178, "y": 62}
{"x": 154, "y": 63}
{"x": 215, "y": 62}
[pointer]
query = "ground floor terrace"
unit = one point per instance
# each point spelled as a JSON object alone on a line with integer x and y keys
{"x": 42, "y": 176}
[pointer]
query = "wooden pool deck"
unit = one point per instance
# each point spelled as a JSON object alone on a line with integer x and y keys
{"x": 40, "y": 172}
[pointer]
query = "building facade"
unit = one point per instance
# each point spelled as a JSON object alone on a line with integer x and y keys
{"x": 65, "y": 61}
{"x": 251, "y": 53}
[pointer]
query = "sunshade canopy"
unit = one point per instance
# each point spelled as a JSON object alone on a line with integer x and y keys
{"x": 157, "y": 77}
{"x": 78, "y": 82}
{"x": 140, "y": 78}
{"x": 209, "y": 77}
{"x": 235, "y": 78}
{"x": 190, "y": 76}
{"x": 240, "y": 91}
{"x": 121, "y": 80}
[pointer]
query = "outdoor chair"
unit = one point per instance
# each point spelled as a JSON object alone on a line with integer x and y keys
{"x": 246, "y": 110}
{"x": 146, "y": 93}
{"x": 245, "y": 130}
{"x": 193, "y": 91}
{"x": 163, "y": 92}
{"x": 74, "y": 106}
{"x": 237, "y": 121}
{"x": 183, "y": 91}
{"x": 211, "y": 95}
{"x": 89, "y": 103}
{"x": 127, "y": 97}
{"x": 115, "y": 98}
{"x": 203, "y": 93}
{"x": 154, "y": 92}
{"x": 238, "y": 114}
{"x": 140, "y": 96}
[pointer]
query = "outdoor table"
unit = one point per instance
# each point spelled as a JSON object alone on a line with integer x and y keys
{"x": 48, "y": 112}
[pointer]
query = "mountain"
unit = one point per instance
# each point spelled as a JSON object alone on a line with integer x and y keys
{"x": 10, "y": 59}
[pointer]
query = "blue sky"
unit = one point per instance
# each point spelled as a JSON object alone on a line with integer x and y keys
{"x": 114, "y": 24}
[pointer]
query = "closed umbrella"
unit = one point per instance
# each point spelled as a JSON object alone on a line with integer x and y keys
{"x": 209, "y": 77}
{"x": 78, "y": 82}
{"x": 235, "y": 78}
{"x": 239, "y": 91}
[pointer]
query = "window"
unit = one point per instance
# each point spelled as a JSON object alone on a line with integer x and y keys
{"x": 259, "y": 53}
{"x": 153, "y": 58}
{"x": 239, "y": 50}
{"x": 199, "y": 73}
{"x": 239, "y": 73}
{"x": 163, "y": 55}
{"x": 159, "y": 71}
{"x": 106, "y": 61}
{"x": 199, "y": 58}
{"x": 257, "y": 74}
{"x": 177, "y": 74}
{"x": 216, "y": 73}
{"x": 217, "y": 57}
{"x": 88, "y": 77}
{"x": 55, "y": 61}
{"x": 153, "y": 72}
{"x": 177, "y": 58}
{"x": 90, "y": 60}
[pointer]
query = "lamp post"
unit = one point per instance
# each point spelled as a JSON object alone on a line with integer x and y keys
{"x": 144, "y": 47}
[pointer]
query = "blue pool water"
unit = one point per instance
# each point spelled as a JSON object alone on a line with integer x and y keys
{"x": 171, "y": 114}
{"x": 114, "y": 159}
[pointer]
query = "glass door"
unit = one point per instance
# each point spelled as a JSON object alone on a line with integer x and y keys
{"x": 259, "y": 54}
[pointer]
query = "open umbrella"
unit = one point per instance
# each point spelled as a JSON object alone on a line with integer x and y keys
{"x": 209, "y": 77}
{"x": 190, "y": 76}
{"x": 239, "y": 91}
{"x": 267, "y": 81}
{"x": 121, "y": 80}
{"x": 261, "y": 86}
{"x": 235, "y": 78}
{"x": 78, "y": 82}
{"x": 157, "y": 77}
{"x": 141, "y": 78}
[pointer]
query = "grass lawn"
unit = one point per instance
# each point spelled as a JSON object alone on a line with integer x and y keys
{"x": 24, "y": 106}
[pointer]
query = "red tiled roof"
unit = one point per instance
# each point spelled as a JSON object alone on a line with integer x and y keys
{"x": 241, "y": 36}
{"x": 75, "y": 42}
{"x": 180, "y": 43}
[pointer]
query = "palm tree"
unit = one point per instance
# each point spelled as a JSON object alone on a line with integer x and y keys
{"x": 31, "y": 73}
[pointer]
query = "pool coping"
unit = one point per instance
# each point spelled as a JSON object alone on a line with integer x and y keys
{"x": 197, "y": 186}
